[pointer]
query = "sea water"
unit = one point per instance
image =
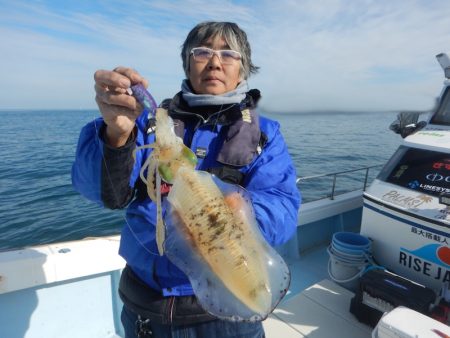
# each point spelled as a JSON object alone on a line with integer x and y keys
{"x": 38, "y": 204}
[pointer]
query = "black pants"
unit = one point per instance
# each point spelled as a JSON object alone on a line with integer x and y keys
{"x": 211, "y": 329}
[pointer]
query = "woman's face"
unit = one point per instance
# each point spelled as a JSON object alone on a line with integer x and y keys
{"x": 213, "y": 77}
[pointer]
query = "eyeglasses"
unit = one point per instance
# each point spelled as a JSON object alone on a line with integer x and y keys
{"x": 226, "y": 56}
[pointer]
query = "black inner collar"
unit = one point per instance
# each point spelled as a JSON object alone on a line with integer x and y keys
{"x": 223, "y": 114}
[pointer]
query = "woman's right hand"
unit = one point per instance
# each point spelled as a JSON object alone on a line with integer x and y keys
{"x": 119, "y": 110}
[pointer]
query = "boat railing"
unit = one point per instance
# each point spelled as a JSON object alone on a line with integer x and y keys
{"x": 332, "y": 192}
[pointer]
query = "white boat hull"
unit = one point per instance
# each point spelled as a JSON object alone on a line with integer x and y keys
{"x": 411, "y": 246}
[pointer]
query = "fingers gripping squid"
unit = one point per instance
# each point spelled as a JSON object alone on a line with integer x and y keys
{"x": 212, "y": 234}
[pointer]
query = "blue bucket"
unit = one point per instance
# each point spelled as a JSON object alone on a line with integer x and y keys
{"x": 349, "y": 254}
{"x": 350, "y": 242}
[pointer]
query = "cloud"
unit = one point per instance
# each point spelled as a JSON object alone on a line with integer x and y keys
{"x": 334, "y": 54}
{"x": 352, "y": 57}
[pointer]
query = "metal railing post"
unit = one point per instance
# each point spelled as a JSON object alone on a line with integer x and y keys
{"x": 334, "y": 185}
{"x": 365, "y": 179}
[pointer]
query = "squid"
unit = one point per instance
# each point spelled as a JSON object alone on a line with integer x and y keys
{"x": 168, "y": 155}
{"x": 210, "y": 232}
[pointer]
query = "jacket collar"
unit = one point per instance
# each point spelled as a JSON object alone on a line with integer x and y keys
{"x": 213, "y": 114}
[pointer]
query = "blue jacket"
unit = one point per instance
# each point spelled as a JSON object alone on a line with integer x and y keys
{"x": 270, "y": 179}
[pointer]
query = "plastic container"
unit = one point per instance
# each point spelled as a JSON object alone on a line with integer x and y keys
{"x": 348, "y": 258}
{"x": 403, "y": 322}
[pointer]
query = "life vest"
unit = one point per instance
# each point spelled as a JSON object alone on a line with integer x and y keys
{"x": 237, "y": 143}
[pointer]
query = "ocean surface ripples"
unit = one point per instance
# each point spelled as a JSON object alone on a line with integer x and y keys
{"x": 38, "y": 204}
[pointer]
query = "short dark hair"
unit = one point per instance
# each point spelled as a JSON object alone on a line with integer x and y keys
{"x": 234, "y": 36}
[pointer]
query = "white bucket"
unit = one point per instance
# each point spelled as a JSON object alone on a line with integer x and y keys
{"x": 349, "y": 254}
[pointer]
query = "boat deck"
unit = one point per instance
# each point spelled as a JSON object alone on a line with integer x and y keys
{"x": 306, "y": 270}
{"x": 314, "y": 306}
{"x": 320, "y": 311}
{"x": 81, "y": 279}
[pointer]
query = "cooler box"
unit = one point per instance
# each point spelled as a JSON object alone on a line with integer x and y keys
{"x": 381, "y": 291}
{"x": 406, "y": 323}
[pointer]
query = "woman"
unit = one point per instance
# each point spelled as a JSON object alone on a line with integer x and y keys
{"x": 215, "y": 116}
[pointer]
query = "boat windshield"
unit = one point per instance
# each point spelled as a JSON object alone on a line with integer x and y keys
{"x": 442, "y": 116}
{"x": 418, "y": 169}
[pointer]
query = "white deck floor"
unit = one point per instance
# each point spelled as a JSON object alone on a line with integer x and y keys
{"x": 315, "y": 306}
{"x": 320, "y": 311}
{"x": 308, "y": 269}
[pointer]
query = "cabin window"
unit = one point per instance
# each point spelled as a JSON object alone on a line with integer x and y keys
{"x": 442, "y": 115}
{"x": 418, "y": 169}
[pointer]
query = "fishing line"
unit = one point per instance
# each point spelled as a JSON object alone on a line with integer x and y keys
{"x": 220, "y": 111}
{"x": 217, "y": 113}
{"x": 116, "y": 195}
{"x": 108, "y": 173}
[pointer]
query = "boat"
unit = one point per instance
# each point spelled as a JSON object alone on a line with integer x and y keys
{"x": 70, "y": 289}
{"x": 407, "y": 207}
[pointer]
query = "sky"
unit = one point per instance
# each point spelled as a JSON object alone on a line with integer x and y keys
{"x": 351, "y": 55}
